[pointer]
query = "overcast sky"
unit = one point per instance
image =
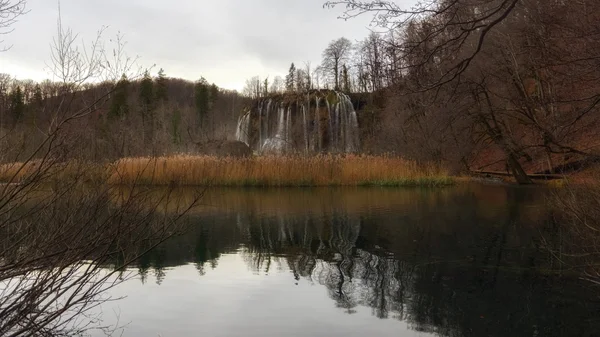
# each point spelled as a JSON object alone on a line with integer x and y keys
{"x": 226, "y": 41}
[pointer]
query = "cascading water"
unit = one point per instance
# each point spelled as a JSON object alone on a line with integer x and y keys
{"x": 317, "y": 125}
{"x": 318, "y": 121}
{"x": 243, "y": 129}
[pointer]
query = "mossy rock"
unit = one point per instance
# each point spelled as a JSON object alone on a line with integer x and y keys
{"x": 332, "y": 98}
{"x": 224, "y": 148}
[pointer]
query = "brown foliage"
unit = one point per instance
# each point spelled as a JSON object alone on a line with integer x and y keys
{"x": 479, "y": 78}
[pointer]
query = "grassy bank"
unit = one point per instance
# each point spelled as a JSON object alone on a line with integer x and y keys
{"x": 325, "y": 170}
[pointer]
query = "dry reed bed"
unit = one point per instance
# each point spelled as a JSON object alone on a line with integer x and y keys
{"x": 48, "y": 171}
{"x": 322, "y": 170}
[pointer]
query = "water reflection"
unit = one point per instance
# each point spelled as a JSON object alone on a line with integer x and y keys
{"x": 455, "y": 262}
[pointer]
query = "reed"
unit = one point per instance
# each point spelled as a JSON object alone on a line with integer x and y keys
{"x": 48, "y": 171}
{"x": 277, "y": 171}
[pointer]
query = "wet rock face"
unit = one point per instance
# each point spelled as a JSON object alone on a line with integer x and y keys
{"x": 315, "y": 121}
{"x": 224, "y": 148}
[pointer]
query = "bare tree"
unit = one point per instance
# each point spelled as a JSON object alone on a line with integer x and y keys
{"x": 253, "y": 87}
{"x": 517, "y": 76}
{"x": 336, "y": 54}
{"x": 65, "y": 235}
{"x": 10, "y": 11}
{"x": 278, "y": 85}
{"x": 578, "y": 245}
{"x": 308, "y": 73}
{"x": 453, "y": 26}
{"x": 371, "y": 60}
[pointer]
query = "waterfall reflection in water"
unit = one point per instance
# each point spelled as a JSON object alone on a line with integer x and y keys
{"x": 447, "y": 263}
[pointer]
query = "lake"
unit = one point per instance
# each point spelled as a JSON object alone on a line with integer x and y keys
{"x": 461, "y": 261}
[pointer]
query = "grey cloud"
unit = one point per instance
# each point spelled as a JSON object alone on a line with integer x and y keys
{"x": 225, "y": 41}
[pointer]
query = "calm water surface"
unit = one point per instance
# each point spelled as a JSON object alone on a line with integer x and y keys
{"x": 469, "y": 261}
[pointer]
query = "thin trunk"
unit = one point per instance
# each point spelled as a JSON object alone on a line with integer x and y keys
{"x": 517, "y": 170}
{"x": 495, "y": 133}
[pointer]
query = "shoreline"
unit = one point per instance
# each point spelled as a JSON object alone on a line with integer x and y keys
{"x": 258, "y": 172}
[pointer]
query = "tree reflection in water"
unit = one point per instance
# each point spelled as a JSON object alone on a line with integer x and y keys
{"x": 452, "y": 266}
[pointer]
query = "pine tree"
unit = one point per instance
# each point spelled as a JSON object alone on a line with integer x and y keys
{"x": 119, "y": 107}
{"x": 161, "y": 87}
{"x": 290, "y": 79}
{"x": 266, "y": 87}
{"x": 214, "y": 95}
{"x": 147, "y": 105}
{"x": 38, "y": 97}
{"x": 345, "y": 78}
{"x": 37, "y": 103}
{"x": 147, "y": 91}
{"x": 17, "y": 104}
{"x": 202, "y": 100}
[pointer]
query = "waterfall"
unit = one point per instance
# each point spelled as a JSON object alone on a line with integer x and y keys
{"x": 318, "y": 138}
{"x": 243, "y": 129}
{"x": 304, "y": 128}
{"x": 260, "y": 126}
{"x": 277, "y": 142}
{"x": 330, "y": 128}
{"x": 288, "y": 129}
{"x": 336, "y": 125}
{"x": 268, "y": 110}
{"x": 298, "y": 124}
{"x": 352, "y": 136}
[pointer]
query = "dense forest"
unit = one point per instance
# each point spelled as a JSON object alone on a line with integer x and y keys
{"x": 144, "y": 116}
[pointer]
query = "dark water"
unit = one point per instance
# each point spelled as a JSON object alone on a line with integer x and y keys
{"x": 470, "y": 261}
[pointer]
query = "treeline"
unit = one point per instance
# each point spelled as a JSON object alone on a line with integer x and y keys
{"x": 364, "y": 66}
{"x": 148, "y": 115}
{"x": 504, "y": 85}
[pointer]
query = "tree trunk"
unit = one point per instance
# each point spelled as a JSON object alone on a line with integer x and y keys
{"x": 517, "y": 170}
{"x": 337, "y": 74}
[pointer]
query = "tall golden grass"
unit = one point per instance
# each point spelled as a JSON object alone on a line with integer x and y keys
{"x": 48, "y": 171}
{"x": 322, "y": 170}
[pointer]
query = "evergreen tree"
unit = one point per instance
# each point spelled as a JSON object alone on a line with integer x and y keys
{"x": 345, "y": 78}
{"x": 17, "y": 104}
{"x": 147, "y": 103}
{"x": 266, "y": 87}
{"x": 202, "y": 100}
{"x": 214, "y": 95}
{"x": 290, "y": 79}
{"x": 37, "y": 103}
{"x": 161, "y": 87}
{"x": 119, "y": 106}
{"x": 38, "y": 97}
{"x": 146, "y": 91}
